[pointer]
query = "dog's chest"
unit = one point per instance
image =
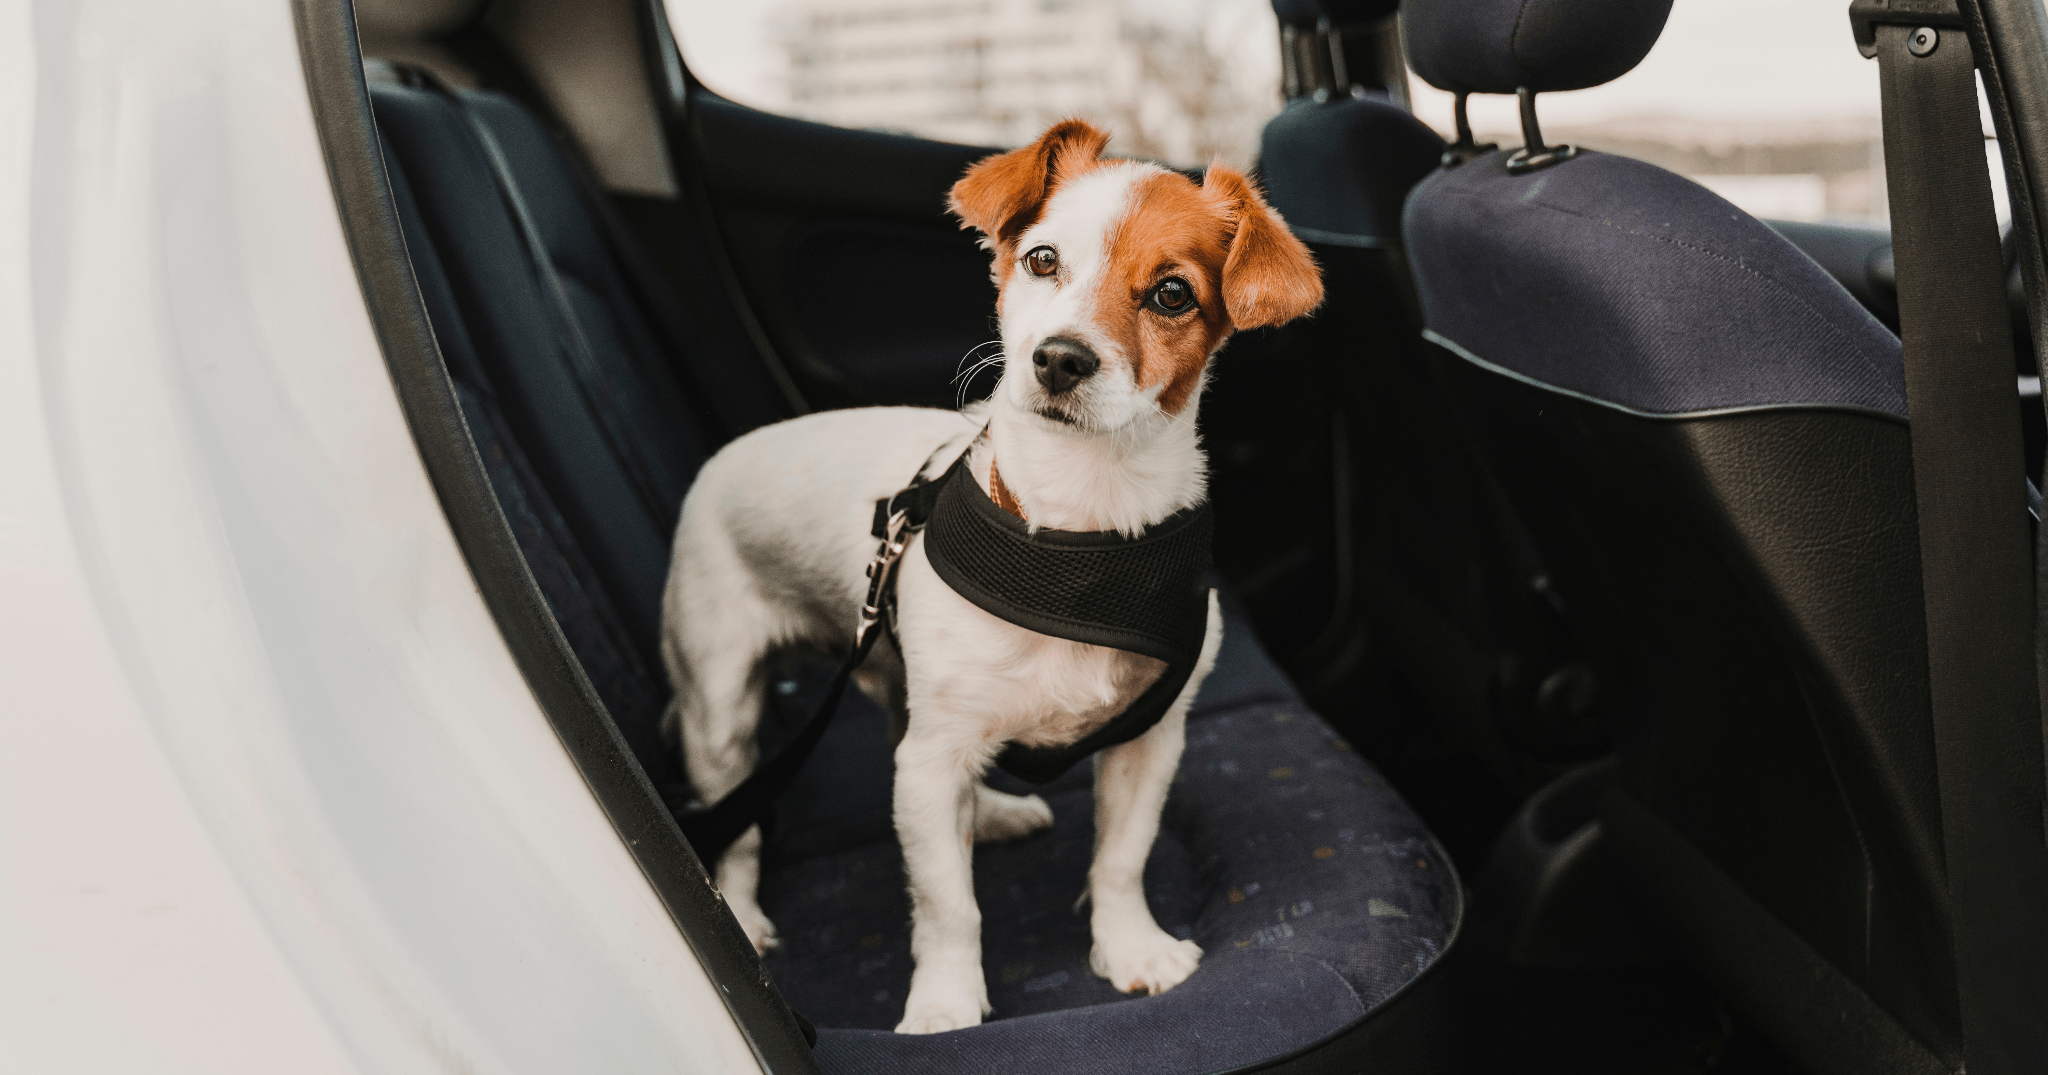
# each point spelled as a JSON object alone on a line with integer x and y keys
{"x": 1070, "y": 689}
{"x": 1047, "y": 693}
{"x": 1013, "y": 684}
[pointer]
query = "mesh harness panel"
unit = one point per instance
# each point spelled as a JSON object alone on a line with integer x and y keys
{"x": 1143, "y": 595}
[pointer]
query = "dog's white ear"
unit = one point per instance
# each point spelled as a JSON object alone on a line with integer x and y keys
{"x": 1269, "y": 277}
{"x": 1000, "y": 196}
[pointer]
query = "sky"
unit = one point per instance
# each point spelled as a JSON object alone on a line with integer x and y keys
{"x": 1771, "y": 60}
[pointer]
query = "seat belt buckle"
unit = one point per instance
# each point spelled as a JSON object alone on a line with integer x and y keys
{"x": 881, "y": 572}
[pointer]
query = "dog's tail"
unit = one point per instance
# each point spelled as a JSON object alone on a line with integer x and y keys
{"x": 672, "y": 726}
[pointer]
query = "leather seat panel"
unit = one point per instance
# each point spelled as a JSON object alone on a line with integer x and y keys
{"x": 1751, "y": 584}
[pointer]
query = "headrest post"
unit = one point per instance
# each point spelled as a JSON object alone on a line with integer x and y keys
{"x": 1534, "y": 154}
{"x": 1532, "y": 135}
{"x": 1340, "y": 77}
{"x": 1290, "y": 63}
{"x": 1319, "y": 62}
{"x": 1463, "y": 149}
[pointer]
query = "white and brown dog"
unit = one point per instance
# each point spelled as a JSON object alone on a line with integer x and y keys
{"x": 1119, "y": 279}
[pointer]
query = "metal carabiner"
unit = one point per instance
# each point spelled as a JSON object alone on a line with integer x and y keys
{"x": 880, "y": 570}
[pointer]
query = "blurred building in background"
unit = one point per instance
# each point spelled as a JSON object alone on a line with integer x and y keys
{"x": 1787, "y": 130}
{"x": 1173, "y": 81}
{"x": 1810, "y": 170}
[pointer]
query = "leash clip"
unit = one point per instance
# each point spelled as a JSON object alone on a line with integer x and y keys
{"x": 881, "y": 570}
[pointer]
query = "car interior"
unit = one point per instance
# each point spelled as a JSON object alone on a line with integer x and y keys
{"x": 1573, "y": 709}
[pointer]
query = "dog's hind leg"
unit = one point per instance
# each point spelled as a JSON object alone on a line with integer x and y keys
{"x": 719, "y": 752}
{"x": 716, "y": 646}
{"x": 1000, "y": 816}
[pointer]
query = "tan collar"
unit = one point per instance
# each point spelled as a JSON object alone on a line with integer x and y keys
{"x": 1001, "y": 494}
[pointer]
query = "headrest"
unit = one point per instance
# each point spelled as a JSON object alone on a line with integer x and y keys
{"x": 1339, "y": 12}
{"x": 1497, "y": 46}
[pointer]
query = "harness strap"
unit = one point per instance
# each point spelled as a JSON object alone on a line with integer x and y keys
{"x": 714, "y": 829}
{"x": 1977, "y": 580}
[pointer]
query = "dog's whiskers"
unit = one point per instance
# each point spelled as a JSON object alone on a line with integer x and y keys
{"x": 965, "y": 377}
{"x": 970, "y": 354}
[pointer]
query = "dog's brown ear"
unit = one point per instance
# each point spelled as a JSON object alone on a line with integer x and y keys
{"x": 1001, "y": 195}
{"x": 1269, "y": 278}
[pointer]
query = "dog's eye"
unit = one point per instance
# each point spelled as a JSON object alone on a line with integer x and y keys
{"x": 1173, "y": 296}
{"x": 1042, "y": 261}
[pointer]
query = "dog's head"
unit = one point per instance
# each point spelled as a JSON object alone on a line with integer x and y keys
{"x": 1118, "y": 279}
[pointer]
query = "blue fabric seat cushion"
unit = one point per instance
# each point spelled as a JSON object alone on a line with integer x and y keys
{"x": 1315, "y": 893}
{"x": 1632, "y": 287}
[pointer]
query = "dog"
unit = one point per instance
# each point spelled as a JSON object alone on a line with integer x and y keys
{"x": 1117, "y": 281}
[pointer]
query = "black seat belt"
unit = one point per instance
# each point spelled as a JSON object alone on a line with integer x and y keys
{"x": 656, "y": 489}
{"x": 1976, "y": 568}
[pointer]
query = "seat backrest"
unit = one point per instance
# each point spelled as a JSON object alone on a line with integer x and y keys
{"x": 664, "y": 374}
{"x": 1707, "y": 438}
{"x": 1443, "y": 582}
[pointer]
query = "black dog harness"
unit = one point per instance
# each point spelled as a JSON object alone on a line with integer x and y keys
{"x": 1144, "y": 595}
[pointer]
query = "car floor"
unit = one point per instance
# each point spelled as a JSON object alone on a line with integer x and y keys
{"x": 1658, "y": 1019}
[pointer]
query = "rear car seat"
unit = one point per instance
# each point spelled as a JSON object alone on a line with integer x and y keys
{"x": 1318, "y": 896}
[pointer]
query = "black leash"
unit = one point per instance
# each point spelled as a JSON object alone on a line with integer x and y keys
{"x": 1974, "y": 548}
{"x": 713, "y": 829}
{"x": 1143, "y": 595}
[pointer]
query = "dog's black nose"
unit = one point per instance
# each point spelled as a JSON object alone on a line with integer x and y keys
{"x": 1063, "y": 363}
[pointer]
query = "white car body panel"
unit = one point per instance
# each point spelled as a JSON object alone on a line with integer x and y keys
{"x": 273, "y": 794}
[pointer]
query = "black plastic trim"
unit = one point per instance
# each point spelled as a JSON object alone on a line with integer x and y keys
{"x": 2013, "y": 62}
{"x": 676, "y": 87}
{"x": 348, "y": 138}
{"x": 1789, "y": 988}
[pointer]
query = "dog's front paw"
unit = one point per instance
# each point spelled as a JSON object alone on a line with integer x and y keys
{"x": 999, "y": 816}
{"x": 759, "y": 929}
{"x": 943, "y": 1000}
{"x": 1144, "y": 961}
{"x": 938, "y": 1018}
